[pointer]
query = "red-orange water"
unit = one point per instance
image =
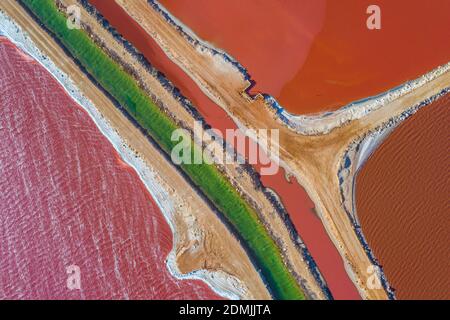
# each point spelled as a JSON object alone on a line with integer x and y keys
{"x": 292, "y": 194}
{"x": 317, "y": 55}
{"x": 402, "y": 204}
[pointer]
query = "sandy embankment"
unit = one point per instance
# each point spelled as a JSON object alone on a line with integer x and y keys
{"x": 228, "y": 271}
{"x": 313, "y": 160}
{"x": 319, "y": 123}
{"x": 270, "y": 212}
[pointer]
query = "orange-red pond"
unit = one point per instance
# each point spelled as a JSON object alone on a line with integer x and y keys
{"x": 402, "y": 204}
{"x": 319, "y": 55}
{"x": 69, "y": 205}
{"x": 293, "y": 196}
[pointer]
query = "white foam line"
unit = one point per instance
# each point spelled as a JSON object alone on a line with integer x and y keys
{"x": 223, "y": 284}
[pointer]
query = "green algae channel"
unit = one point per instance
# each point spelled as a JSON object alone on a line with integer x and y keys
{"x": 206, "y": 177}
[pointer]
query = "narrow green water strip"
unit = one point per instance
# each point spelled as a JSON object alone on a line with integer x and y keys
{"x": 214, "y": 185}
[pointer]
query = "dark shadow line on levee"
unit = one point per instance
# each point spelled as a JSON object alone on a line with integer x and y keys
{"x": 193, "y": 111}
{"x": 392, "y": 122}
